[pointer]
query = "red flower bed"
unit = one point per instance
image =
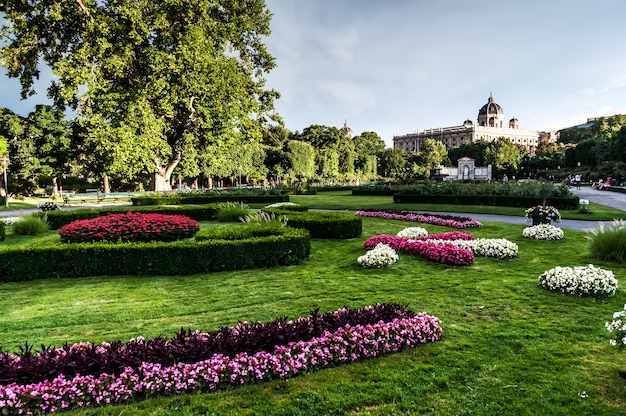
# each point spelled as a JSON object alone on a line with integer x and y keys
{"x": 440, "y": 253}
{"x": 130, "y": 227}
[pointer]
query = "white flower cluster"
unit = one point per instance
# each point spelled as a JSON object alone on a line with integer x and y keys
{"x": 380, "y": 256}
{"x": 500, "y": 248}
{"x": 412, "y": 232}
{"x": 617, "y": 328}
{"x": 543, "y": 232}
{"x": 10, "y": 220}
{"x": 282, "y": 204}
{"x": 580, "y": 280}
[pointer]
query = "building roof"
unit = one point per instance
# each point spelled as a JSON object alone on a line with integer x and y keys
{"x": 491, "y": 107}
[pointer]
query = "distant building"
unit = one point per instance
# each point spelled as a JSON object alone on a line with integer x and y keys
{"x": 491, "y": 125}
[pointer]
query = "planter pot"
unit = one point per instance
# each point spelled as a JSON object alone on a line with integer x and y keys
{"x": 540, "y": 220}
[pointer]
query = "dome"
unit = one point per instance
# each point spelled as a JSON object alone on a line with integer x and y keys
{"x": 491, "y": 108}
{"x": 491, "y": 114}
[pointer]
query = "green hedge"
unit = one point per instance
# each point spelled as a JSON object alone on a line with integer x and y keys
{"x": 373, "y": 191}
{"x": 288, "y": 246}
{"x": 337, "y": 225}
{"x": 3, "y": 231}
{"x": 199, "y": 199}
{"x": 57, "y": 219}
{"x": 571, "y": 202}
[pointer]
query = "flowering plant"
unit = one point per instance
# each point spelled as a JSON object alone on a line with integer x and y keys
{"x": 10, "y": 220}
{"x": 617, "y": 328}
{"x": 49, "y": 206}
{"x": 440, "y": 253}
{"x": 543, "y": 232}
{"x": 380, "y": 256}
{"x": 580, "y": 280}
{"x": 543, "y": 213}
{"x": 412, "y": 232}
{"x": 435, "y": 219}
{"x": 348, "y": 343}
{"x": 132, "y": 226}
{"x": 500, "y": 248}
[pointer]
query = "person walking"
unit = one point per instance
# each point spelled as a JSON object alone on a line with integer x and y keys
{"x": 577, "y": 180}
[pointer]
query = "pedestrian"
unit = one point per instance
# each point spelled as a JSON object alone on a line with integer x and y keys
{"x": 577, "y": 180}
{"x": 505, "y": 179}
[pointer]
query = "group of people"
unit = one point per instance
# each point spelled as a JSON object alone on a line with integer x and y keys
{"x": 601, "y": 184}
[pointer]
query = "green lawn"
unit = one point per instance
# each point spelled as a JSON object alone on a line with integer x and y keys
{"x": 508, "y": 347}
{"x": 345, "y": 200}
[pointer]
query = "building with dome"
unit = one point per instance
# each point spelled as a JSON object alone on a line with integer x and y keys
{"x": 491, "y": 125}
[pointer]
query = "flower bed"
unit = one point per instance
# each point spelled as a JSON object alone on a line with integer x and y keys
{"x": 440, "y": 253}
{"x": 380, "y": 256}
{"x": 130, "y": 227}
{"x": 350, "y": 342}
{"x": 543, "y": 232}
{"x": 580, "y": 281}
{"x": 434, "y": 219}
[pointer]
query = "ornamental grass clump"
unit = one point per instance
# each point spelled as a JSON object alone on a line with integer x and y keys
{"x": 609, "y": 243}
{"x": 543, "y": 232}
{"x": 580, "y": 281}
{"x": 30, "y": 225}
{"x": 231, "y": 211}
{"x": 130, "y": 227}
{"x": 380, "y": 256}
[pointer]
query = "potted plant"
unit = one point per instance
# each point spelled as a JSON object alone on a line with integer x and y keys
{"x": 543, "y": 214}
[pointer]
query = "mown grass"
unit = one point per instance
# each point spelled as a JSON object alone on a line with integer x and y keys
{"x": 509, "y": 347}
{"x": 345, "y": 200}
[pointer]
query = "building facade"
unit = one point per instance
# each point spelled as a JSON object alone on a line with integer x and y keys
{"x": 491, "y": 125}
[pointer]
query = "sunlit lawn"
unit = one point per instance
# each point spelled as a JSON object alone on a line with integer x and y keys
{"x": 509, "y": 347}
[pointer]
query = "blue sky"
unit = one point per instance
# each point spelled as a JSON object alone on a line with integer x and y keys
{"x": 399, "y": 66}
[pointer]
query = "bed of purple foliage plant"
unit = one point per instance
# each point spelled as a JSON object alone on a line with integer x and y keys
{"x": 83, "y": 375}
{"x": 413, "y": 216}
{"x": 440, "y": 253}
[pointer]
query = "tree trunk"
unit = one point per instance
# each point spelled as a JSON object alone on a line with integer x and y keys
{"x": 161, "y": 181}
{"x": 106, "y": 188}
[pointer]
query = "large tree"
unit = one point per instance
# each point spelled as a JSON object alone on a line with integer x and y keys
{"x": 151, "y": 81}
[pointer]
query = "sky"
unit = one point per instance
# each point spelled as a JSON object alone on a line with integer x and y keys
{"x": 399, "y": 66}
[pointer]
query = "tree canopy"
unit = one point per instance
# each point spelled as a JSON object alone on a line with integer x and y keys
{"x": 150, "y": 81}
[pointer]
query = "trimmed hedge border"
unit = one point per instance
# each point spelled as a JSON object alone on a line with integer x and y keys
{"x": 207, "y": 199}
{"x": 57, "y": 219}
{"x": 288, "y": 246}
{"x": 331, "y": 225}
{"x": 492, "y": 200}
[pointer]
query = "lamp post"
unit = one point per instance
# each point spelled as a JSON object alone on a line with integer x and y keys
{"x": 4, "y": 161}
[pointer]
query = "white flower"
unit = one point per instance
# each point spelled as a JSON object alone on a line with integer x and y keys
{"x": 412, "y": 232}
{"x": 10, "y": 220}
{"x": 581, "y": 280}
{"x": 617, "y": 328}
{"x": 543, "y": 232}
{"x": 282, "y": 204}
{"x": 380, "y": 256}
{"x": 500, "y": 248}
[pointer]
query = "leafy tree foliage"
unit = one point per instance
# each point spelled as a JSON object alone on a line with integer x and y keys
{"x": 302, "y": 158}
{"x": 475, "y": 150}
{"x": 503, "y": 155}
{"x": 151, "y": 81}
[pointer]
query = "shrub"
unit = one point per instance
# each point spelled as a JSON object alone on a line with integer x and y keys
{"x": 130, "y": 227}
{"x": 323, "y": 224}
{"x": 609, "y": 243}
{"x": 231, "y": 211}
{"x": 185, "y": 257}
{"x": 30, "y": 225}
{"x": 2, "y": 231}
{"x": 543, "y": 232}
